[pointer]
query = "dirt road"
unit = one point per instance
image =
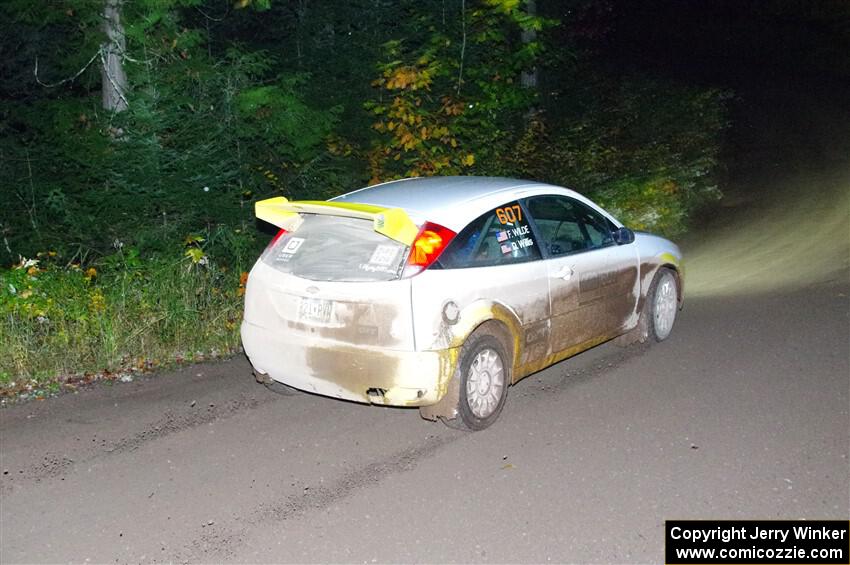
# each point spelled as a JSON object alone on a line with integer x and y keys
{"x": 742, "y": 413}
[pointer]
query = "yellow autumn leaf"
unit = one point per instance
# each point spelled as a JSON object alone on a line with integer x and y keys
{"x": 195, "y": 254}
{"x": 194, "y": 238}
{"x": 505, "y": 6}
{"x": 469, "y": 160}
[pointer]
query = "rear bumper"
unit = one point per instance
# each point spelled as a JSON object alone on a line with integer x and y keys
{"x": 361, "y": 374}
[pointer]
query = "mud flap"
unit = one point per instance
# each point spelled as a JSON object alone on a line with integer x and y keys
{"x": 638, "y": 334}
{"x": 446, "y": 408}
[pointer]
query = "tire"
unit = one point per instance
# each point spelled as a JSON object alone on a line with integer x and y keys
{"x": 485, "y": 374}
{"x": 662, "y": 304}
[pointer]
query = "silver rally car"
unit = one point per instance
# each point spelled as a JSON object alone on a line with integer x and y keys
{"x": 441, "y": 292}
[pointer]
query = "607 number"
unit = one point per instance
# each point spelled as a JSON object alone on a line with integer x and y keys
{"x": 509, "y": 214}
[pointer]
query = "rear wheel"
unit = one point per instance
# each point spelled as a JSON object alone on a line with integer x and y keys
{"x": 484, "y": 374}
{"x": 663, "y": 304}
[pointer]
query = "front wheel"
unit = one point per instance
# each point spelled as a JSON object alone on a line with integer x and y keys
{"x": 663, "y": 304}
{"x": 484, "y": 375}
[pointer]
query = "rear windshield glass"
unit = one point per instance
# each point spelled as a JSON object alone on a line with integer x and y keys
{"x": 333, "y": 248}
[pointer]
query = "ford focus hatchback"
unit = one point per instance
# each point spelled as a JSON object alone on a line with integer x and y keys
{"x": 441, "y": 292}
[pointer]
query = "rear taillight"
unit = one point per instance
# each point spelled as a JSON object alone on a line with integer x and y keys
{"x": 431, "y": 240}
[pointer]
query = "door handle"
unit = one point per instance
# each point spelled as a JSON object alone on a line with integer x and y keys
{"x": 566, "y": 272}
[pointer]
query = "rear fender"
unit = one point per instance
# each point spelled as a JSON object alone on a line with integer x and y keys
{"x": 498, "y": 319}
{"x": 482, "y": 315}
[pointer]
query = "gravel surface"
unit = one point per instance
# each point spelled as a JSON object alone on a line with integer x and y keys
{"x": 742, "y": 413}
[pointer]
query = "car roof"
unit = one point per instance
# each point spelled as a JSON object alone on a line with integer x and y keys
{"x": 450, "y": 201}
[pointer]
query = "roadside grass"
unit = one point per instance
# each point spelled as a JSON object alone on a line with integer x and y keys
{"x": 66, "y": 324}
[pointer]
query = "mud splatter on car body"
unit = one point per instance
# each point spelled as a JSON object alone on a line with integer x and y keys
{"x": 350, "y": 301}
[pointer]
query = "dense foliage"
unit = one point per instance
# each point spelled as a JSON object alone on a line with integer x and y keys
{"x": 231, "y": 102}
{"x": 128, "y": 315}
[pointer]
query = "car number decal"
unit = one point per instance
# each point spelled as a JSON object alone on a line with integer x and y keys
{"x": 509, "y": 214}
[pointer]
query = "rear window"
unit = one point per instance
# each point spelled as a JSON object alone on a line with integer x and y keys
{"x": 334, "y": 248}
{"x": 499, "y": 237}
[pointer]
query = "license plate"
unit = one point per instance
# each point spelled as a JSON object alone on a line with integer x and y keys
{"x": 315, "y": 310}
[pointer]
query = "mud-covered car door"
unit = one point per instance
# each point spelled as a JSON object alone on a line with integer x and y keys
{"x": 493, "y": 262}
{"x": 591, "y": 279}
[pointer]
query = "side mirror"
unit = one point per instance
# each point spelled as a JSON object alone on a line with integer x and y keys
{"x": 623, "y": 236}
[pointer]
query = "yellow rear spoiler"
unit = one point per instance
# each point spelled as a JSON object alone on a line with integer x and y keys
{"x": 391, "y": 222}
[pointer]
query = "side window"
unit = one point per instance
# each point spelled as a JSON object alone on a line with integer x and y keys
{"x": 499, "y": 237}
{"x": 568, "y": 226}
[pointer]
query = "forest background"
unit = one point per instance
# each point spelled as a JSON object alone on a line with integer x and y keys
{"x": 135, "y": 137}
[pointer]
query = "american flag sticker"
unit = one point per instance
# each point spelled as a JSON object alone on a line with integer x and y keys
{"x": 501, "y": 236}
{"x": 506, "y": 248}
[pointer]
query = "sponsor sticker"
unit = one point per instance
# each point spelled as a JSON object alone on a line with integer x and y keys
{"x": 292, "y": 245}
{"x": 384, "y": 255}
{"x": 285, "y": 253}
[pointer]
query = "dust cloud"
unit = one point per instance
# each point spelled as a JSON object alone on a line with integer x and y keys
{"x": 791, "y": 235}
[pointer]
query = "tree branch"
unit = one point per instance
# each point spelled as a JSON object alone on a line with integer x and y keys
{"x": 61, "y": 82}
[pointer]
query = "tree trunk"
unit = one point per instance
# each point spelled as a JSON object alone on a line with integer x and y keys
{"x": 113, "y": 77}
{"x": 528, "y": 78}
{"x": 301, "y": 12}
